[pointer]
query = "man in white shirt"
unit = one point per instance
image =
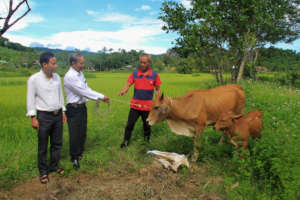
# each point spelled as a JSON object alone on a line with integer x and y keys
{"x": 78, "y": 93}
{"x": 45, "y": 106}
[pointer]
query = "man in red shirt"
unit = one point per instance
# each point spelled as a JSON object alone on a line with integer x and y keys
{"x": 145, "y": 80}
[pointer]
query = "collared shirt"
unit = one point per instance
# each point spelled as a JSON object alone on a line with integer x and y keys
{"x": 44, "y": 94}
{"x": 144, "y": 85}
{"x": 77, "y": 90}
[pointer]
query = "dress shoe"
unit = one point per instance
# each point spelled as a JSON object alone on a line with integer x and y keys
{"x": 124, "y": 144}
{"x": 76, "y": 164}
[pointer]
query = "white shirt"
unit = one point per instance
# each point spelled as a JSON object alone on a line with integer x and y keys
{"x": 44, "y": 94}
{"x": 77, "y": 90}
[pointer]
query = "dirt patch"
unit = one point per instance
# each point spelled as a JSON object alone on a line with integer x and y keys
{"x": 151, "y": 182}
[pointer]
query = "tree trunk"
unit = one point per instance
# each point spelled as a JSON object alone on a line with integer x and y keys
{"x": 254, "y": 63}
{"x": 220, "y": 69}
{"x": 242, "y": 66}
{"x": 233, "y": 74}
{"x": 217, "y": 75}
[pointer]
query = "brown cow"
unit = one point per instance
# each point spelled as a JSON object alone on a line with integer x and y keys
{"x": 190, "y": 114}
{"x": 240, "y": 129}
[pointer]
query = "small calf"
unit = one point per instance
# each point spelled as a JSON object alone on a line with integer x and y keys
{"x": 240, "y": 129}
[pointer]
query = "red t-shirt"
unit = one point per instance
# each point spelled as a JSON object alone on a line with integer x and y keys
{"x": 144, "y": 85}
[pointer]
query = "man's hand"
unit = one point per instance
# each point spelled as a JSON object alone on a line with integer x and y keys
{"x": 122, "y": 93}
{"x": 35, "y": 123}
{"x": 125, "y": 89}
{"x": 64, "y": 117}
{"x": 106, "y": 99}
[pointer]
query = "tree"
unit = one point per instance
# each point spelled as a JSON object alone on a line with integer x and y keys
{"x": 231, "y": 28}
{"x": 7, "y": 20}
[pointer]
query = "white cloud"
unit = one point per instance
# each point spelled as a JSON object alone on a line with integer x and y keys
{"x": 123, "y": 19}
{"x": 134, "y": 33}
{"x": 146, "y": 7}
{"x": 187, "y": 3}
{"x": 128, "y": 38}
{"x": 90, "y": 12}
{"x": 143, "y": 7}
{"x": 26, "y": 21}
{"x": 152, "y": 13}
{"x": 116, "y": 17}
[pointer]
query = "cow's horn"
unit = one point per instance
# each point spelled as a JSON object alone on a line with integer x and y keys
{"x": 162, "y": 97}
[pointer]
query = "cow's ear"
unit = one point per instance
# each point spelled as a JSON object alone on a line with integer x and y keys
{"x": 162, "y": 97}
{"x": 234, "y": 116}
{"x": 237, "y": 116}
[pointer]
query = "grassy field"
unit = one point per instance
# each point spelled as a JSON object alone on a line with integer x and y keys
{"x": 270, "y": 171}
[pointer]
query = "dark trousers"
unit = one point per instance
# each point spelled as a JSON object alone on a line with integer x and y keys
{"x": 77, "y": 123}
{"x": 50, "y": 126}
{"x": 132, "y": 118}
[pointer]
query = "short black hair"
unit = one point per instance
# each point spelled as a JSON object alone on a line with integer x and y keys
{"x": 75, "y": 57}
{"x": 45, "y": 57}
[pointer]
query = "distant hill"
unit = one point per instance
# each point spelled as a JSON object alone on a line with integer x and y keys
{"x": 4, "y": 42}
{"x": 61, "y": 50}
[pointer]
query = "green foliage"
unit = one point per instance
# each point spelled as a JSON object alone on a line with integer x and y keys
{"x": 18, "y": 59}
{"x": 184, "y": 69}
{"x": 209, "y": 27}
{"x": 291, "y": 78}
{"x": 279, "y": 60}
{"x": 14, "y": 46}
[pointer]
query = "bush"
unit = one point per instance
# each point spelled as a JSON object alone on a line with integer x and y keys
{"x": 184, "y": 69}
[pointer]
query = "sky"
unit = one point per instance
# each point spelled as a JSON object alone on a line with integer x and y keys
{"x": 94, "y": 24}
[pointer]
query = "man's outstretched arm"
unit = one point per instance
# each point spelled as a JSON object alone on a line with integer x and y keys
{"x": 125, "y": 89}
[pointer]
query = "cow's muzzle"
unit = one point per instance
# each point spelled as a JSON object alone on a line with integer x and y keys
{"x": 149, "y": 122}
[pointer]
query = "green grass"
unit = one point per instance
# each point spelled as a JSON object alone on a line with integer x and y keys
{"x": 270, "y": 171}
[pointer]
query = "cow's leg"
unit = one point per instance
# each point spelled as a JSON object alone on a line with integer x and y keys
{"x": 234, "y": 143}
{"x": 197, "y": 139}
{"x": 221, "y": 140}
{"x": 245, "y": 145}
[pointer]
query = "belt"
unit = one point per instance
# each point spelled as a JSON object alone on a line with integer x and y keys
{"x": 76, "y": 105}
{"x": 55, "y": 112}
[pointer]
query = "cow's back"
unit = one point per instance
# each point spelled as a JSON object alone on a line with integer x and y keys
{"x": 222, "y": 99}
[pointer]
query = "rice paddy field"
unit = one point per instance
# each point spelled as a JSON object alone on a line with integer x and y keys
{"x": 270, "y": 169}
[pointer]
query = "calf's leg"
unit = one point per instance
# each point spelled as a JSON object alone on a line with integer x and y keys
{"x": 234, "y": 143}
{"x": 221, "y": 140}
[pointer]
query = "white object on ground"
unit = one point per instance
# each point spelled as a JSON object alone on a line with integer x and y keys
{"x": 170, "y": 160}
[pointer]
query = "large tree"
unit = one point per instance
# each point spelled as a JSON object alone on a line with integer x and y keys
{"x": 11, "y": 16}
{"x": 231, "y": 29}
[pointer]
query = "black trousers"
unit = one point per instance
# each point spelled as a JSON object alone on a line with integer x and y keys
{"x": 50, "y": 126}
{"x": 77, "y": 123}
{"x": 132, "y": 118}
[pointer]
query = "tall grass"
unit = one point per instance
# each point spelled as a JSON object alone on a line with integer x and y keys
{"x": 270, "y": 171}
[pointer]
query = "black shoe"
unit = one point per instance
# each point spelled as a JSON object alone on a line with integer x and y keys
{"x": 76, "y": 164}
{"x": 124, "y": 144}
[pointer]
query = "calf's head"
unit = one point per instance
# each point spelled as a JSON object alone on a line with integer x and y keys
{"x": 159, "y": 110}
{"x": 225, "y": 121}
